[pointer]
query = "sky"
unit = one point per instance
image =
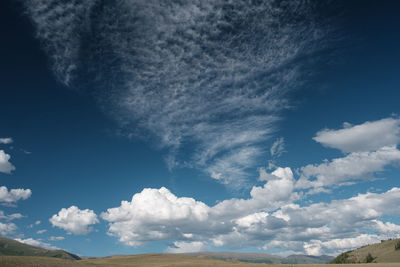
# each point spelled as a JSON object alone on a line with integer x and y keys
{"x": 136, "y": 126}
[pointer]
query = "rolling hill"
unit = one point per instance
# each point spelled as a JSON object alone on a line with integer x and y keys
{"x": 263, "y": 257}
{"x": 9, "y": 247}
{"x": 386, "y": 251}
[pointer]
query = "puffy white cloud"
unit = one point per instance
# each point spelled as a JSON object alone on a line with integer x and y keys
{"x": 13, "y": 195}
{"x": 5, "y": 165}
{"x": 388, "y": 229}
{"x": 278, "y": 147}
{"x": 7, "y": 228}
{"x": 74, "y": 220}
{"x": 356, "y": 165}
{"x": 368, "y": 136}
{"x": 335, "y": 246}
{"x": 275, "y": 193}
{"x": 36, "y": 243}
{"x": 184, "y": 247}
{"x": 155, "y": 214}
{"x": 11, "y": 216}
{"x": 7, "y": 140}
{"x": 42, "y": 231}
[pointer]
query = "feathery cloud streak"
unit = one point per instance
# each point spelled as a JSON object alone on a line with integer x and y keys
{"x": 212, "y": 74}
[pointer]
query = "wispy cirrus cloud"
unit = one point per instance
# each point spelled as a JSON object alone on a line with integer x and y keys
{"x": 204, "y": 78}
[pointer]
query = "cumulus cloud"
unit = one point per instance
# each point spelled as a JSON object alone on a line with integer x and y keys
{"x": 368, "y": 136}
{"x": 42, "y": 231}
{"x": 157, "y": 214}
{"x": 7, "y": 228}
{"x": 74, "y": 220}
{"x": 12, "y": 196}
{"x": 356, "y": 165}
{"x": 36, "y": 243}
{"x": 5, "y": 165}
{"x": 317, "y": 247}
{"x": 209, "y": 74}
{"x": 7, "y": 140}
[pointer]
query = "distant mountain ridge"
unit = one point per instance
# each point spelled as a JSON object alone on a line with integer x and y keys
{"x": 386, "y": 251}
{"x": 9, "y": 247}
{"x": 263, "y": 257}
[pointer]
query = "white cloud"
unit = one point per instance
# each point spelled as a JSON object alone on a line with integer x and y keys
{"x": 7, "y": 228}
{"x": 368, "y": 136}
{"x": 74, "y": 220}
{"x": 356, "y": 165}
{"x": 335, "y": 246}
{"x": 157, "y": 214}
{"x": 13, "y": 195}
{"x": 11, "y": 216}
{"x": 184, "y": 247}
{"x": 184, "y": 72}
{"x": 5, "y": 165}
{"x": 278, "y": 147}
{"x": 36, "y": 243}
{"x": 42, "y": 231}
{"x": 386, "y": 228}
{"x": 7, "y": 140}
{"x": 56, "y": 238}
{"x": 37, "y": 222}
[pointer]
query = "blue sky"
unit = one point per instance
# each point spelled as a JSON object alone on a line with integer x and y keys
{"x": 132, "y": 127}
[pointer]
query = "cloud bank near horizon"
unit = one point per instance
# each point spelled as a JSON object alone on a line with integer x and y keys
{"x": 272, "y": 216}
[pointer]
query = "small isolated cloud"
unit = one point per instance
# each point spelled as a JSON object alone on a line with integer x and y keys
{"x": 7, "y": 140}
{"x": 41, "y": 231}
{"x": 7, "y": 228}
{"x": 74, "y": 220}
{"x": 33, "y": 224}
{"x": 12, "y": 196}
{"x": 11, "y": 216}
{"x": 5, "y": 165}
{"x": 368, "y": 136}
{"x": 56, "y": 238}
{"x": 184, "y": 247}
{"x": 278, "y": 147}
{"x": 36, "y": 243}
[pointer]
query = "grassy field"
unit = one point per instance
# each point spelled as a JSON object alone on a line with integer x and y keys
{"x": 154, "y": 260}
